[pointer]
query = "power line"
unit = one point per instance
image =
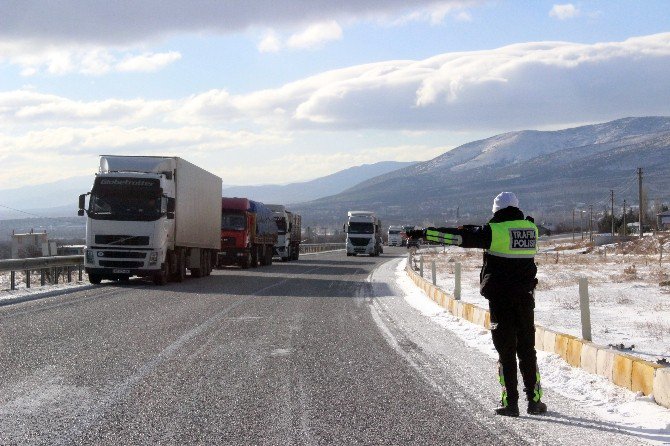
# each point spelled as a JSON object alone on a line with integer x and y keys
{"x": 19, "y": 210}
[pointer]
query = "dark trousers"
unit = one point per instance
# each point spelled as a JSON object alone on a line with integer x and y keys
{"x": 513, "y": 332}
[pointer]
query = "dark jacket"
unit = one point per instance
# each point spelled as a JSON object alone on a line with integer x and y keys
{"x": 499, "y": 276}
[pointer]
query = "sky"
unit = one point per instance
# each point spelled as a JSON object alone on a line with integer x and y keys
{"x": 275, "y": 92}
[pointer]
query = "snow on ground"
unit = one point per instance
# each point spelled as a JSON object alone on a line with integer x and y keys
{"x": 633, "y": 412}
{"x": 628, "y": 304}
{"x": 22, "y": 292}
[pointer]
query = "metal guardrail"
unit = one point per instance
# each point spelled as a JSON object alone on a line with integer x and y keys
{"x": 49, "y": 267}
{"x": 318, "y": 247}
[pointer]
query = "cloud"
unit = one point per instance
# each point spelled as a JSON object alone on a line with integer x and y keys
{"x": 315, "y": 35}
{"x": 148, "y": 62}
{"x": 124, "y": 22}
{"x": 34, "y": 58}
{"x": 525, "y": 85}
{"x": 564, "y": 12}
{"x": 270, "y": 43}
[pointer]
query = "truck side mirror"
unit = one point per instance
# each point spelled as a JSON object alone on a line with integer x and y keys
{"x": 170, "y": 208}
{"x": 82, "y": 204}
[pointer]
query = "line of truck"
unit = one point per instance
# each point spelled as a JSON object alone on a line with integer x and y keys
{"x": 158, "y": 217}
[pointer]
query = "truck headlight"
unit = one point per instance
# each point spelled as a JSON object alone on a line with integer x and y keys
{"x": 89, "y": 256}
{"x": 153, "y": 258}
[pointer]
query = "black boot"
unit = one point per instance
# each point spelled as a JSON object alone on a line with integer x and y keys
{"x": 536, "y": 407}
{"x": 511, "y": 410}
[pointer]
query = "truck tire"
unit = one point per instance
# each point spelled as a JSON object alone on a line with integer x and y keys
{"x": 180, "y": 266}
{"x": 254, "y": 256}
{"x": 296, "y": 253}
{"x": 268, "y": 253}
{"x": 349, "y": 254}
{"x": 161, "y": 277}
{"x": 95, "y": 279}
{"x": 246, "y": 261}
{"x": 198, "y": 272}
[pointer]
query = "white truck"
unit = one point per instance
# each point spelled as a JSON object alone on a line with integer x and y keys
{"x": 290, "y": 232}
{"x": 394, "y": 236}
{"x": 363, "y": 231}
{"x": 151, "y": 216}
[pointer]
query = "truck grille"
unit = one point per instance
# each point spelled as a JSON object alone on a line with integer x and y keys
{"x": 357, "y": 241}
{"x": 228, "y": 241}
{"x": 123, "y": 255}
{"x": 121, "y": 264}
{"x": 121, "y": 240}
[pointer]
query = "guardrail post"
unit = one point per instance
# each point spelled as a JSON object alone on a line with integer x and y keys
{"x": 69, "y": 274}
{"x": 80, "y": 273}
{"x": 42, "y": 277}
{"x": 421, "y": 266}
{"x": 27, "y": 278}
{"x": 432, "y": 270}
{"x": 55, "y": 272}
{"x": 584, "y": 308}
{"x": 457, "y": 281}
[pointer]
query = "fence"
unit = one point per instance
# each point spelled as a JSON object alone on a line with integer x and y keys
{"x": 319, "y": 247}
{"x": 50, "y": 268}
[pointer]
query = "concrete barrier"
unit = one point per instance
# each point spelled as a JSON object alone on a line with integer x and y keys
{"x": 623, "y": 370}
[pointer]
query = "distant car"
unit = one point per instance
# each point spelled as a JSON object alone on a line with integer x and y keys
{"x": 413, "y": 243}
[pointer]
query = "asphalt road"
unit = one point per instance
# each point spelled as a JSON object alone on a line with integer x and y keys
{"x": 319, "y": 351}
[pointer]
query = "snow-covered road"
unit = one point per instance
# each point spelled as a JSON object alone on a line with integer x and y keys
{"x": 453, "y": 354}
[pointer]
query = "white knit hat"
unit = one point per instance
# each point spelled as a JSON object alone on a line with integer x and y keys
{"x": 503, "y": 200}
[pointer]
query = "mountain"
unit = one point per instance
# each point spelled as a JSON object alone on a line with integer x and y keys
{"x": 320, "y": 187}
{"x": 55, "y": 199}
{"x": 552, "y": 172}
{"x": 59, "y": 198}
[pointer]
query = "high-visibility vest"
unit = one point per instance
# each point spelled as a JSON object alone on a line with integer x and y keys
{"x": 514, "y": 239}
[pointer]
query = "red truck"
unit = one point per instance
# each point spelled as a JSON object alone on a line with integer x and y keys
{"x": 248, "y": 233}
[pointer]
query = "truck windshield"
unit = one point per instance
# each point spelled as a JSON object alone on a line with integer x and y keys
{"x": 393, "y": 232}
{"x": 281, "y": 224}
{"x": 361, "y": 228}
{"x": 126, "y": 207}
{"x": 232, "y": 222}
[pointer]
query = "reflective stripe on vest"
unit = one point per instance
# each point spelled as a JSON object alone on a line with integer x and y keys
{"x": 443, "y": 237}
{"x": 513, "y": 239}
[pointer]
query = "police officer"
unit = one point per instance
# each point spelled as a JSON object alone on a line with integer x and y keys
{"x": 507, "y": 281}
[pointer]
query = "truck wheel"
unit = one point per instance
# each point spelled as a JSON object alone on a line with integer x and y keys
{"x": 198, "y": 272}
{"x": 161, "y": 277}
{"x": 180, "y": 261}
{"x": 95, "y": 279}
{"x": 296, "y": 254}
{"x": 269, "y": 257}
{"x": 349, "y": 254}
{"x": 208, "y": 262}
{"x": 254, "y": 256}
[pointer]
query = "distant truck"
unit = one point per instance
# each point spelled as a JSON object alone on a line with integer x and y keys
{"x": 151, "y": 216}
{"x": 248, "y": 233}
{"x": 363, "y": 231}
{"x": 394, "y": 236}
{"x": 290, "y": 232}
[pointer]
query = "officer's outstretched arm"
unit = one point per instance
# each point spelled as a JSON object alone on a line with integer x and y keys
{"x": 468, "y": 236}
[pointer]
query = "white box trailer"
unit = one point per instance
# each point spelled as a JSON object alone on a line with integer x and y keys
{"x": 198, "y": 207}
{"x": 151, "y": 216}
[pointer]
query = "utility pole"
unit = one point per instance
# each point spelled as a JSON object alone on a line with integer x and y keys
{"x": 639, "y": 189}
{"x": 590, "y": 222}
{"x": 581, "y": 223}
{"x": 612, "y": 215}
{"x": 573, "y": 224}
{"x": 458, "y": 208}
{"x": 624, "y": 218}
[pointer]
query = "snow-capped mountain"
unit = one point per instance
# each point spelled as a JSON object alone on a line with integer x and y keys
{"x": 551, "y": 171}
